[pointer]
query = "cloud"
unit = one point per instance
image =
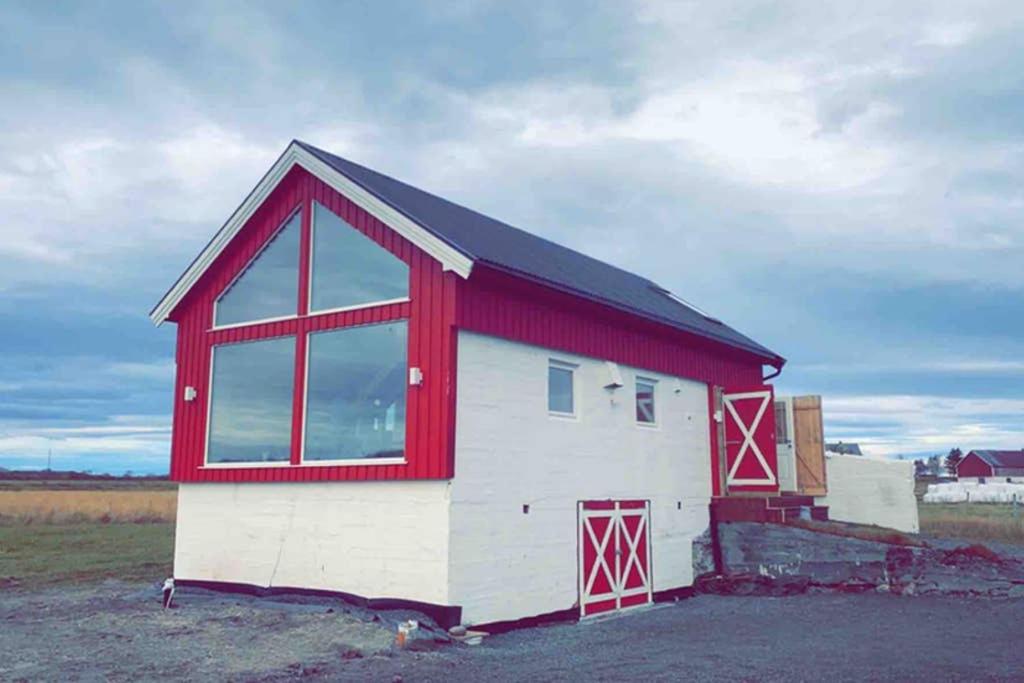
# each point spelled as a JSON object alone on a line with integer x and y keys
{"x": 842, "y": 183}
{"x": 898, "y": 425}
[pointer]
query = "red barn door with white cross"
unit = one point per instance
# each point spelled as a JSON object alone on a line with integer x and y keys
{"x": 751, "y": 461}
{"x": 615, "y": 555}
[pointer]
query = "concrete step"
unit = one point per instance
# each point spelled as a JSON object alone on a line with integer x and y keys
{"x": 774, "y": 509}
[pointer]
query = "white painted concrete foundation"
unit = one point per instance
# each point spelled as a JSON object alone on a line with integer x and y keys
{"x": 374, "y": 539}
{"x": 866, "y": 490}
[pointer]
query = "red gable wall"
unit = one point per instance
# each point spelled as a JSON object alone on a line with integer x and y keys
{"x": 973, "y": 466}
{"x": 430, "y": 407}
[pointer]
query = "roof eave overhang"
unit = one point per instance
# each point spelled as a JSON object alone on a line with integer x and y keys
{"x": 450, "y": 257}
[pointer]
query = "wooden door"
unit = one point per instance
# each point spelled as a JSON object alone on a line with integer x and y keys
{"x": 751, "y": 461}
{"x": 809, "y": 443}
{"x": 615, "y": 555}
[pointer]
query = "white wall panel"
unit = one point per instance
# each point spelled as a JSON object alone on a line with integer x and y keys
{"x": 371, "y": 538}
{"x": 509, "y": 452}
{"x": 866, "y": 490}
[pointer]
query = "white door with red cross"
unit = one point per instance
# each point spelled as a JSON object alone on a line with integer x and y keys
{"x": 751, "y": 460}
{"x": 615, "y": 555}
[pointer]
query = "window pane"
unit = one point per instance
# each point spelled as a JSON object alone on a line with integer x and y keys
{"x": 780, "y": 423}
{"x": 251, "y": 409}
{"x": 560, "y": 389}
{"x": 349, "y": 268}
{"x": 644, "y": 401}
{"x": 355, "y": 393}
{"x": 268, "y": 287}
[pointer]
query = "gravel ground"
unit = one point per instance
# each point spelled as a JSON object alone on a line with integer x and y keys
{"x": 118, "y": 632}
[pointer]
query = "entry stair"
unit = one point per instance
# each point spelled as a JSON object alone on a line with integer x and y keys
{"x": 779, "y": 509}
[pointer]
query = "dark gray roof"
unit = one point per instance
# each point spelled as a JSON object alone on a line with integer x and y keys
{"x": 502, "y": 246}
{"x": 1002, "y": 458}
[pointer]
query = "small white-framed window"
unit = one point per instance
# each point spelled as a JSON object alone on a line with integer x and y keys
{"x": 646, "y": 391}
{"x": 781, "y": 423}
{"x": 561, "y": 388}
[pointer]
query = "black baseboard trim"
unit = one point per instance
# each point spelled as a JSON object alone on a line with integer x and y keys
{"x": 673, "y": 594}
{"x": 446, "y": 616}
{"x": 572, "y": 614}
{"x": 569, "y": 615}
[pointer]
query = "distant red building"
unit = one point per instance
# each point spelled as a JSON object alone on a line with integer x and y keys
{"x": 992, "y": 466}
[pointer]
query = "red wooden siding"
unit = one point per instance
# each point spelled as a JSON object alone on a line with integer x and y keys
{"x": 495, "y": 303}
{"x": 430, "y": 312}
{"x": 973, "y": 466}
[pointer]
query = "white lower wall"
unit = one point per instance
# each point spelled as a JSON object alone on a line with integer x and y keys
{"x": 866, "y": 490}
{"x": 374, "y": 539}
{"x": 993, "y": 479}
{"x": 510, "y": 452}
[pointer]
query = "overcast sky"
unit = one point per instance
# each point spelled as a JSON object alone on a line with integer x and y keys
{"x": 844, "y": 185}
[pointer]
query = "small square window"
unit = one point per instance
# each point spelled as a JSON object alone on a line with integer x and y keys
{"x": 561, "y": 393}
{"x": 645, "y": 400}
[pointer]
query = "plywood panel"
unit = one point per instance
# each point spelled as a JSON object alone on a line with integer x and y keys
{"x": 810, "y": 445}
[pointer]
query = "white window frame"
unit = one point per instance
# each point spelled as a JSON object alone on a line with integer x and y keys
{"x": 637, "y": 381}
{"x": 349, "y": 462}
{"x": 248, "y": 464}
{"x": 573, "y": 369}
{"x": 243, "y": 269}
{"x": 787, "y": 436}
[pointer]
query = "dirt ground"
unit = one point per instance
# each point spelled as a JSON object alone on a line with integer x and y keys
{"x": 118, "y": 632}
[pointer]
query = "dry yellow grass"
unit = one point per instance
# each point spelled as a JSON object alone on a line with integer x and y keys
{"x": 67, "y": 507}
{"x": 973, "y": 521}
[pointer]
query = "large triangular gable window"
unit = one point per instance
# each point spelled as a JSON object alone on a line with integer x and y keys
{"x": 314, "y": 389}
{"x": 268, "y": 286}
{"x": 349, "y": 269}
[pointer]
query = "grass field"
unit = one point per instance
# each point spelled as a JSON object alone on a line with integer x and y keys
{"x": 978, "y": 522}
{"x": 34, "y": 556}
{"x": 81, "y": 531}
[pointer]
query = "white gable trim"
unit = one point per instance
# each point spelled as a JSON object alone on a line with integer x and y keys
{"x": 449, "y": 257}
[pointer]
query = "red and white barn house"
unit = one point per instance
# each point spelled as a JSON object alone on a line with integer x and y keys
{"x": 992, "y": 466}
{"x": 384, "y": 394}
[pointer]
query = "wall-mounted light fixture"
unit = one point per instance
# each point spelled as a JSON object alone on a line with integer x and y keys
{"x": 415, "y": 377}
{"x": 614, "y": 376}
{"x": 190, "y": 393}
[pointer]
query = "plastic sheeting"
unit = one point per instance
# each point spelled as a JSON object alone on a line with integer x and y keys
{"x": 971, "y": 492}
